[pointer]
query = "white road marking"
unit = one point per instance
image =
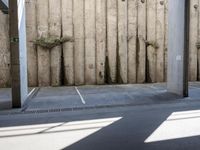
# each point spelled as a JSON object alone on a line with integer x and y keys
{"x": 31, "y": 92}
{"x": 81, "y": 97}
{"x": 153, "y": 87}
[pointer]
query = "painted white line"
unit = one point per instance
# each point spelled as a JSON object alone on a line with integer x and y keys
{"x": 31, "y": 92}
{"x": 81, "y": 97}
{"x": 153, "y": 87}
{"x": 158, "y": 90}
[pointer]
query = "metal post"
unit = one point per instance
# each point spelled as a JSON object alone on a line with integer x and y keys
{"x": 178, "y": 47}
{"x": 18, "y": 52}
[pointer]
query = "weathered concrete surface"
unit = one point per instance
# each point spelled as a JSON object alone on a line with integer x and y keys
{"x": 4, "y": 51}
{"x": 55, "y": 98}
{"x": 122, "y": 128}
{"x": 5, "y": 98}
{"x": 177, "y": 48}
{"x": 98, "y": 96}
{"x": 67, "y": 98}
{"x": 194, "y": 90}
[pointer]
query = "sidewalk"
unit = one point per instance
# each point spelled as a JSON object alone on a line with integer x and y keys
{"x": 87, "y": 97}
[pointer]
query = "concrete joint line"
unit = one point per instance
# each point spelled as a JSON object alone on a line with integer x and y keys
{"x": 81, "y": 97}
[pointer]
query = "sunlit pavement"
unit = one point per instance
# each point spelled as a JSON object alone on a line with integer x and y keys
{"x": 172, "y": 126}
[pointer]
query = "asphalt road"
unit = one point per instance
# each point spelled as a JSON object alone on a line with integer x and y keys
{"x": 173, "y": 126}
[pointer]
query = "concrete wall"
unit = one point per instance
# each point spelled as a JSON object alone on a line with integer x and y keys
{"x": 103, "y": 51}
{"x": 4, "y": 51}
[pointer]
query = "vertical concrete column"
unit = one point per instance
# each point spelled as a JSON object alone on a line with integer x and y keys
{"x": 18, "y": 52}
{"x": 178, "y": 47}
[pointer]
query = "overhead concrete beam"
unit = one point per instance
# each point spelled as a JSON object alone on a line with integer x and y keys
{"x": 18, "y": 52}
{"x": 178, "y": 47}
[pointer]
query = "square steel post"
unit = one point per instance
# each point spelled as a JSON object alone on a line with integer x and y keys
{"x": 18, "y": 52}
{"x": 178, "y": 47}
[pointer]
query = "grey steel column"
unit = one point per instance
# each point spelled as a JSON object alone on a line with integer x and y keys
{"x": 18, "y": 52}
{"x": 178, "y": 47}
